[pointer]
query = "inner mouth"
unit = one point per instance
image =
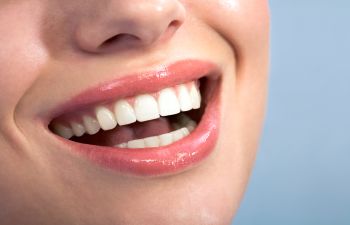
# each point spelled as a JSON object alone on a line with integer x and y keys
{"x": 146, "y": 120}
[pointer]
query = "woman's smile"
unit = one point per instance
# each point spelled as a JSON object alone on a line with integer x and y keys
{"x": 150, "y": 129}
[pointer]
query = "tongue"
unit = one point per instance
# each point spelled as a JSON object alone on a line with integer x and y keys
{"x": 127, "y": 133}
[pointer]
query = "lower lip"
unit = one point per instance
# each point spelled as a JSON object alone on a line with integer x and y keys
{"x": 167, "y": 160}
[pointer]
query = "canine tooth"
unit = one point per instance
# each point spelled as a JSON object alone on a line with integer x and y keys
{"x": 188, "y": 123}
{"x": 185, "y": 131}
{"x": 146, "y": 108}
{"x": 105, "y": 118}
{"x": 78, "y": 129}
{"x": 168, "y": 102}
{"x": 152, "y": 142}
{"x": 91, "y": 125}
{"x": 136, "y": 144}
{"x": 195, "y": 97}
{"x": 191, "y": 126}
{"x": 177, "y": 135}
{"x": 166, "y": 139}
{"x": 184, "y": 98}
{"x": 63, "y": 131}
{"x": 124, "y": 113}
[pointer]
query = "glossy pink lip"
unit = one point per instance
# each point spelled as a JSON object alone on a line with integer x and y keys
{"x": 170, "y": 159}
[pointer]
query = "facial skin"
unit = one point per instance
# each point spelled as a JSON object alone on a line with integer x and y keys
{"x": 52, "y": 50}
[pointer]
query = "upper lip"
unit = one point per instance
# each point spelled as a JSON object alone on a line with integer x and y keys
{"x": 138, "y": 83}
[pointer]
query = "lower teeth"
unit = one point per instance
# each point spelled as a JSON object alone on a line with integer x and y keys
{"x": 187, "y": 125}
{"x": 157, "y": 141}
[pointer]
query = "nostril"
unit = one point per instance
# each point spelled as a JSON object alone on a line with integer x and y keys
{"x": 118, "y": 39}
{"x": 174, "y": 24}
{"x": 170, "y": 30}
{"x": 126, "y": 38}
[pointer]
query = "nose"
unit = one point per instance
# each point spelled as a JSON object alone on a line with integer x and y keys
{"x": 118, "y": 24}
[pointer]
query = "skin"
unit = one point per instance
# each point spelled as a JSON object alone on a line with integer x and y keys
{"x": 52, "y": 50}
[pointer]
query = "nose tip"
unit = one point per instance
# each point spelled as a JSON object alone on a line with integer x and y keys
{"x": 129, "y": 24}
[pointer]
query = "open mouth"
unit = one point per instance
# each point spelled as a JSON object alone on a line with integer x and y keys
{"x": 148, "y": 126}
{"x": 147, "y": 120}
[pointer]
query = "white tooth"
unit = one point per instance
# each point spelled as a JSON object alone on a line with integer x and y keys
{"x": 91, "y": 125}
{"x": 195, "y": 97}
{"x": 124, "y": 113}
{"x": 146, "y": 108}
{"x": 105, "y": 118}
{"x": 184, "y": 98}
{"x": 166, "y": 139}
{"x": 191, "y": 126}
{"x": 152, "y": 142}
{"x": 136, "y": 144}
{"x": 78, "y": 129}
{"x": 177, "y": 135}
{"x": 122, "y": 145}
{"x": 63, "y": 131}
{"x": 168, "y": 102}
{"x": 185, "y": 131}
{"x": 188, "y": 122}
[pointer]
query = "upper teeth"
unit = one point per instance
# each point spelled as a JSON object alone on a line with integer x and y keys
{"x": 169, "y": 101}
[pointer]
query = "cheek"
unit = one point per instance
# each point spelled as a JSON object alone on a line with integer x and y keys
{"x": 21, "y": 54}
{"x": 244, "y": 23}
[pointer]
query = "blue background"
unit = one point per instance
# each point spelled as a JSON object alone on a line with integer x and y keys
{"x": 302, "y": 173}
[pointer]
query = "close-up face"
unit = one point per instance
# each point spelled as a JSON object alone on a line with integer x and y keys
{"x": 129, "y": 112}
